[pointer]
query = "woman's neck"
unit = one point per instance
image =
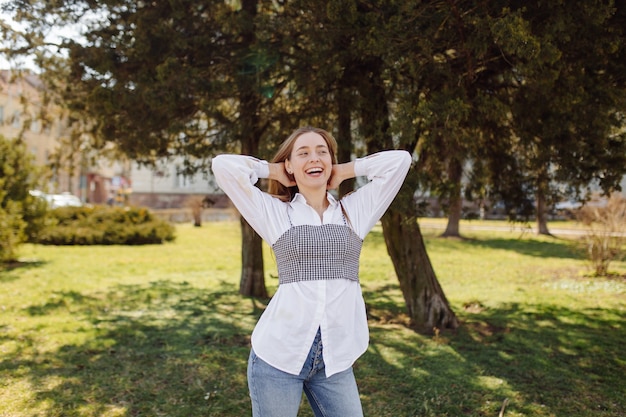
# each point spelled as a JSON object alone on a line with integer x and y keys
{"x": 317, "y": 200}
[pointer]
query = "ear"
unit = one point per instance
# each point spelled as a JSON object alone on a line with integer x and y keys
{"x": 288, "y": 167}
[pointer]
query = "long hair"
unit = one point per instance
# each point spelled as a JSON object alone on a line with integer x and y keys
{"x": 278, "y": 190}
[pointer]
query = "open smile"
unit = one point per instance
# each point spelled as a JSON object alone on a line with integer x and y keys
{"x": 314, "y": 171}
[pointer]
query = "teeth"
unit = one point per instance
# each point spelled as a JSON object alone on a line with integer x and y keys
{"x": 314, "y": 170}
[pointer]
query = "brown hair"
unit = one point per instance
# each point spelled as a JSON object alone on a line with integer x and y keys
{"x": 278, "y": 190}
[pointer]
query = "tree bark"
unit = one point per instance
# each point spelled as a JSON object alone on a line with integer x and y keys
{"x": 344, "y": 134}
{"x": 425, "y": 301}
{"x": 455, "y": 200}
{"x": 252, "y": 282}
{"x": 542, "y": 218}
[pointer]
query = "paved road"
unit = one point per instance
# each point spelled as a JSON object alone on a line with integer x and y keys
{"x": 514, "y": 228}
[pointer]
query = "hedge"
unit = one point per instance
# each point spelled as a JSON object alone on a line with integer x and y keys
{"x": 104, "y": 225}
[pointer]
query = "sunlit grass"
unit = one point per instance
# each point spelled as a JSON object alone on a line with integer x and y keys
{"x": 161, "y": 330}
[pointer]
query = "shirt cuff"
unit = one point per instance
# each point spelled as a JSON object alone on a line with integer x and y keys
{"x": 360, "y": 167}
{"x": 263, "y": 169}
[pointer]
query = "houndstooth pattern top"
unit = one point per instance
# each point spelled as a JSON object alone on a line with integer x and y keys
{"x": 308, "y": 253}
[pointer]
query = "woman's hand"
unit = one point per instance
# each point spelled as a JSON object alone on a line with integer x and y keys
{"x": 340, "y": 173}
{"x": 279, "y": 173}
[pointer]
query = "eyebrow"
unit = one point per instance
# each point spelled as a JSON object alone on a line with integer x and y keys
{"x": 307, "y": 147}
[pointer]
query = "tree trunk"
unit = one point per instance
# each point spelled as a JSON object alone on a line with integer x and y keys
{"x": 344, "y": 135}
{"x": 542, "y": 218}
{"x": 426, "y": 303}
{"x": 455, "y": 199}
{"x": 252, "y": 281}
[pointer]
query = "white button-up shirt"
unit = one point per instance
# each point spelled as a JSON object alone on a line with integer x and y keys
{"x": 287, "y": 327}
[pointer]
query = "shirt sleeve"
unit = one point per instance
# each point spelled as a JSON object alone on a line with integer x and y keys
{"x": 385, "y": 172}
{"x": 237, "y": 175}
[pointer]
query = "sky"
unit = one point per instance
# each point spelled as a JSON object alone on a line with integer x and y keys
{"x": 4, "y": 64}
{"x": 28, "y": 63}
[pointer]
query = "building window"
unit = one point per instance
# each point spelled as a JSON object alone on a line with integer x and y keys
{"x": 16, "y": 119}
{"x": 35, "y": 126}
{"x": 181, "y": 180}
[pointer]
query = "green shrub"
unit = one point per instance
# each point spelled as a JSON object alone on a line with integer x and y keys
{"x": 35, "y": 213}
{"x": 103, "y": 225}
{"x": 12, "y": 228}
{"x": 21, "y": 214}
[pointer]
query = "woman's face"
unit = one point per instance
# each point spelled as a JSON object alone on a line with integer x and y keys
{"x": 310, "y": 161}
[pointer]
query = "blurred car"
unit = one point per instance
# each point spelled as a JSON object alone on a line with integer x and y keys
{"x": 63, "y": 200}
{"x": 59, "y": 200}
{"x": 568, "y": 205}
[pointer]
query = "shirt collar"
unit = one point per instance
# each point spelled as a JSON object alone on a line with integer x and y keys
{"x": 300, "y": 199}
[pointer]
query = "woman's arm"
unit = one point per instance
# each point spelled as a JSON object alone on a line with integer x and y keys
{"x": 237, "y": 175}
{"x": 386, "y": 172}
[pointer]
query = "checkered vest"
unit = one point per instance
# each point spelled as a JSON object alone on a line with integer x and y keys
{"x": 309, "y": 253}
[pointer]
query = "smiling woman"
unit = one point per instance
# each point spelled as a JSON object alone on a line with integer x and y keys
{"x": 315, "y": 326}
{"x": 285, "y": 189}
{"x": 310, "y": 163}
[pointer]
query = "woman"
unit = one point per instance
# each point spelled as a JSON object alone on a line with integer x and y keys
{"x": 315, "y": 326}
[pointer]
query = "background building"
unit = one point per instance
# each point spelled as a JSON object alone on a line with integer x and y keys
{"x": 166, "y": 187}
{"x": 21, "y": 112}
{"x": 72, "y": 167}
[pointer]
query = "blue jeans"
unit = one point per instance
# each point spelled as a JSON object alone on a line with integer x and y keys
{"x": 275, "y": 393}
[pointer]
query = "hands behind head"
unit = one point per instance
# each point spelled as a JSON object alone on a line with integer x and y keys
{"x": 335, "y": 179}
{"x": 284, "y": 178}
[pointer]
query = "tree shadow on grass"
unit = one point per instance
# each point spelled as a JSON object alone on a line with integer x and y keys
{"x": 9, "y": 270}
{"x": 547, "y": 360}
{"x": 570, "y": 359}
{"x": 159, "y": 349}
{"x": 563, "y": 249}
{"x": 556, "y": 248}
{"x": 382, "y": 306}
{"x": 172, "y": 349}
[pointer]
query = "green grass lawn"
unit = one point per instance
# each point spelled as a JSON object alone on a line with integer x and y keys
{"x": 161, "y": 330}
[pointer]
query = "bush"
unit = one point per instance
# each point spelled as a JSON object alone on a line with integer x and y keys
{"x": 103, "y": 225}
{"x": 21, "y": 215}
{"x": 12, "y": 228}
{"x": 605, "y": 232}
